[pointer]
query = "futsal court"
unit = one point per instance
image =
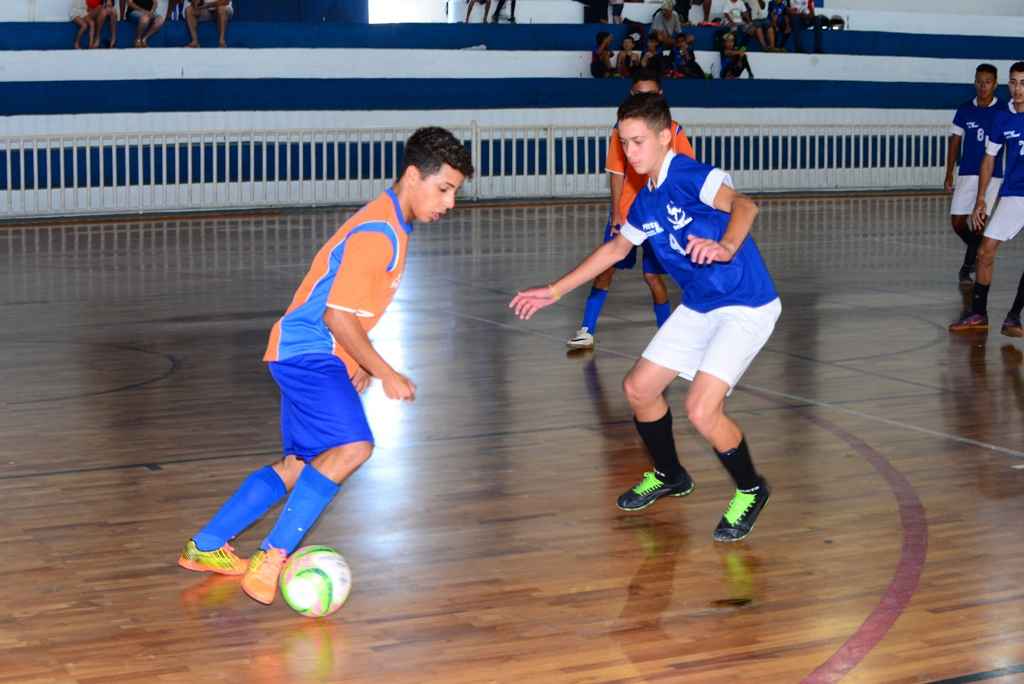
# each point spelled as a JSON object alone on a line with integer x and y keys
{"x": 483, "y": 535}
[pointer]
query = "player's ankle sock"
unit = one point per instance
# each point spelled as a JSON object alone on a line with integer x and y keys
{"x": 979, "y": 299}
{"x": 1018, "y": 301}
{"x": 737, "y": 462}
{"x": 256, "y": 495}
{"x": 308, "y": 499}
{"x": 661, "y": 444}
{"x": 592, "y": 309}
{"x": 662, "y": 312}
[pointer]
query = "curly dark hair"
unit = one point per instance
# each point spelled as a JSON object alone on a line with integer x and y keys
{"x": 428, "y": 148}
{"x": 651, "y": 107}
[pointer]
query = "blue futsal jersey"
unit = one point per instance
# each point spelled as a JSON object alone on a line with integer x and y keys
{"x": 1007, "y": 131}
{"x": 972, "y": 123}
{"x": 680, "y": 205}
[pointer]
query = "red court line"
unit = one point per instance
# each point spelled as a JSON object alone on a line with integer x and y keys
{"x": 908, "y": 570}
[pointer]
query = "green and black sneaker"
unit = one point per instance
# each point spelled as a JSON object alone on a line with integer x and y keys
{"x": 652, "y": 488}
{"x": 742, "y": 513}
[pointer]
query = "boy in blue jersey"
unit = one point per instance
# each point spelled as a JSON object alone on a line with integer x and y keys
{"x": 1006, "y": 129}
{"x": 698, "y": 226}
{"x": 967, "y": 141}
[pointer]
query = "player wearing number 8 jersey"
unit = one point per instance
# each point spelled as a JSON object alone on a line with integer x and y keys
{"x": 1006, "y": 131}
{"x": 698, "y": 226}
{"x": 967, "y": 142}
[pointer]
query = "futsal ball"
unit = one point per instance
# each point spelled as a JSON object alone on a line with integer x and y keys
{"x": 315, "y": 581}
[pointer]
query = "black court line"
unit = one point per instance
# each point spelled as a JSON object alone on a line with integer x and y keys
{"x": 982, "y": 676}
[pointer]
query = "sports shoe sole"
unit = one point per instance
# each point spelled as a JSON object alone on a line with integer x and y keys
{"x": 579, "y": 345}
{"x": 654, "y": 501}
{"x": 199, "y": 567}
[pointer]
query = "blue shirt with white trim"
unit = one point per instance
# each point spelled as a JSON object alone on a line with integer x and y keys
{"x": 1007, "y": 130}
{"x": 972, "y": 123}
{"x": 681, "y": 204}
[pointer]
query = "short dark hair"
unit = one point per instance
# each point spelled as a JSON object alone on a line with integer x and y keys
{"x": 1017, "y": 66}
{"x": 646, "y": 74}
{"x": 987, "y": 68}
{"x": 651, "y": 107}
{"x": 429, "y": 148}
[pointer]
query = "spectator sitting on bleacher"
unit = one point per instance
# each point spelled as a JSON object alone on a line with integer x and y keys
{"x": 208, "y": 10}
{"x": 683, "y": 62}
{"x": 652, "y": 58}
{"x": 760, "y": 26}
{"x": 683, "y": 9}
{"x": 149, "y": 16}
{"x": 736, "y": 17}
{"x": 102, "y": 12}
{"x": 628, "y": 58}
{"x": 472, "y": 3}
{"x": 601, "y": 57}
{"x": 778, "y": 20}
{"x": 84, "y": 18}
{"x": 734, "y": 59}
{"x": 802, "y": 17}
{"x": 665, "y": 25}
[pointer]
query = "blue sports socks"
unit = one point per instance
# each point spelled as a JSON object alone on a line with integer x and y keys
{"x": 256, "y": 495}
{"x": 308, "y": 499}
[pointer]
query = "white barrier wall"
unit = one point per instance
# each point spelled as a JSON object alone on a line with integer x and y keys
{"x": 235, "y": 63}
{"x": 1006, "y": 8}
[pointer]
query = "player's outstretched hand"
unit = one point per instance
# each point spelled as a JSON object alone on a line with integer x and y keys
{"x": 704, "y": 251}
{"x": 979, "y": 217}
{"x": 398, "y": 386}
{"x": 529, "y": 302}
{"x": 360, "y": 380}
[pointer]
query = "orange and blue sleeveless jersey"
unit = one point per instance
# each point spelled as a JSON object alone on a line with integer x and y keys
{"x": 634, "y": 182}
{"x": 357, "y": 270}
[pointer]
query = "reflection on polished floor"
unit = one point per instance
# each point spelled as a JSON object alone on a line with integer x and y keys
{"x": 483, "y": 535}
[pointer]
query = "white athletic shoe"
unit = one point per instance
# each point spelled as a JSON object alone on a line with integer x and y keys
{"x": 581, "y": 340}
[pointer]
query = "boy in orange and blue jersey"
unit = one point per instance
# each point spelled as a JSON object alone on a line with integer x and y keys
{"x": 321, "y": 359}
{"x": 625, "y": 184}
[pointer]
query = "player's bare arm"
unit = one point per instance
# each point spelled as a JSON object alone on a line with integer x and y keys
{"x": 980, "y": 214}
{"x": 528, "y": 302}
{"x": 742, "y": 211}
{"x": 350, "y": 335}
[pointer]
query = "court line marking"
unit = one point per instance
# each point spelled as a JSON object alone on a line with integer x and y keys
{"x": 784, "y": 395}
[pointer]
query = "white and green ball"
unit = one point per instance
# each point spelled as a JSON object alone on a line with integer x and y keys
{"x": 315, "y": 581}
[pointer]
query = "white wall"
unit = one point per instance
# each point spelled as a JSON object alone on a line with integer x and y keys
{"x": 933, "y": 24}
{"x": 1007, "y": 8}
{"x": 406, "y": 11}
{"x": 237, "y": 63}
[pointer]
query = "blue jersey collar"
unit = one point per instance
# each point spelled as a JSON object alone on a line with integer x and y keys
{"x": 406, "y": 226}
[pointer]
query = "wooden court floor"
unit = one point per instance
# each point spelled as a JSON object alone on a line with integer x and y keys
{"x": 483, "y": 535}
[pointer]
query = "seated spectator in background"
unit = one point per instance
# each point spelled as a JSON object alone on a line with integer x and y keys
{"x": 778, "y": 19}
{"x": 801, "y": 17}
{"x": 149, "y": 16}
{"x": 683, "y": 62}
{"x": 208, "y": 10}
{"x": 652, "y": 58}
{"x": 601, "y": 57}
{"x": 471, "y": 3}
{"x": 762, "y": 26}
{"x": 665, "y": 25}
{"x": 84, "y": 19}
{"x": 628, "y": 59}
{"x": 104, "y": 12}
{"x": 734, "y": 59}
{"x": 738, "y": 16}
{"x": 511, "y": 14}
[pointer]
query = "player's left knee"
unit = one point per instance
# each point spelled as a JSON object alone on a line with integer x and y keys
{"x": 702, "y": 415}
